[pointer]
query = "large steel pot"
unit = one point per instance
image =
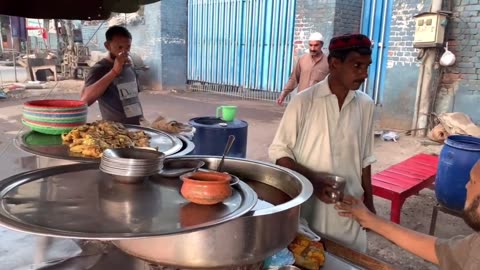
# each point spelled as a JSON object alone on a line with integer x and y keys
{"x": 246, "y": 240}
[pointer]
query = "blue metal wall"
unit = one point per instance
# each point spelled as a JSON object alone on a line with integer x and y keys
{"x": 376, "y": 25}
{"x": 243, "y": 43}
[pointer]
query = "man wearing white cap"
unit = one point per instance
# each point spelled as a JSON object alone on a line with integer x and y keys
{"x": 310, "y": 69}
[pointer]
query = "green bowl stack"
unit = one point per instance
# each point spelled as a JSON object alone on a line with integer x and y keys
{"x": 54, "y": 116}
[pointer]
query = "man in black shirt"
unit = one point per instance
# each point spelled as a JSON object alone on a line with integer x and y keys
{"x": 113, "y": 82}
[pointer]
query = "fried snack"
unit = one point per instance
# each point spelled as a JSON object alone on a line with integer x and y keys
{"x": 170, "y": 126}
{"x": 92, "y": 139}
{"x": 308, "y": 254}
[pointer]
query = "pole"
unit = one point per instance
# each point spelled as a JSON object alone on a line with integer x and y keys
{"x": 14, "y": 59}
{"x": 425, "y": 94}
{"x": 1, "y": 37}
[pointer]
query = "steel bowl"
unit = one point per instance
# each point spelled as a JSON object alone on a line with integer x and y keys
{"x": 175, "y": 167}
{"x": 246, "y": 240}
{"x": 129, "y": 155}
{"x": 288, "y": 267}
{"x": 131, "y": 165}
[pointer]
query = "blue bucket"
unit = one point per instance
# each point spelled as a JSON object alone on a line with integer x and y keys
{"x": 457, "y": 158}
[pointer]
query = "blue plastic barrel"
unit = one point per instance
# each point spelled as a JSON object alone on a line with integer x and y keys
{"x": 212, "y": 133}
{"x": 457, "y": 158}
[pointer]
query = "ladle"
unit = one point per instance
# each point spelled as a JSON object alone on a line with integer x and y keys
{"x": 230, "y": 141}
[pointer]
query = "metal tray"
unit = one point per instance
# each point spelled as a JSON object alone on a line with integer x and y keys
{"x": 79, "y": 201}
{"x": 52, "y": 146}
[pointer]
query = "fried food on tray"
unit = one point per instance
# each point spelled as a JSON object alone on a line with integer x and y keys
{"x": 308, "y": 254}
{"x": 92, "y": 139}
{"x": 170, "y": 126}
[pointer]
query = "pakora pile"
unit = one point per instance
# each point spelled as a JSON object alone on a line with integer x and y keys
{"x": 91, "y": 139}
{"x": 308, "y": 254}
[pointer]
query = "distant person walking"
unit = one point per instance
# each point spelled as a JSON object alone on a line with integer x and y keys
{"x": 310, "y": 69}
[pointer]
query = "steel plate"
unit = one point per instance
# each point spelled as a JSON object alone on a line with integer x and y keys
{"x": 79, "y": 201}
{"x": 51, "y": 145}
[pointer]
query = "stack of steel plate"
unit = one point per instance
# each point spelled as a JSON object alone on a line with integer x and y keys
{"x": 131, "y": 165}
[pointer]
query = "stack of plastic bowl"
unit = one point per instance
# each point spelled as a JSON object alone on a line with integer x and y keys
{"x": 131, "y": 165}
{"x": 54, "y": 116}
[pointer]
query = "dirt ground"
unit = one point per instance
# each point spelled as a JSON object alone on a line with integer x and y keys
{"x": 263, "y": 119}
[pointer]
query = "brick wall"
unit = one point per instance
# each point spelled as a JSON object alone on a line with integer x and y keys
{"x": 329, "y": 17}
{"x": 312, "y": 16}
{"x": 402, "y": 30}
{"x": 460, "y": 85}
{"x": 348, "y": 15}
{"x": 463, "y": 41}
{"x": 399, "y": 92}
{"x": 457, "y": 89}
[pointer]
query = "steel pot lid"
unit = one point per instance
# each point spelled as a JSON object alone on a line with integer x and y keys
{"x": 52, "y": 146}
{"x": 80, "y": 201}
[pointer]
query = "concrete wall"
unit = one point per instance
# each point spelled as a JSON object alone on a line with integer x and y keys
{"x": 160, "y": 40}
{"x": 174, "y": 33}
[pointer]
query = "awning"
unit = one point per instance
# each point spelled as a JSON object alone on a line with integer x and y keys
{"x": 68, "y": 9}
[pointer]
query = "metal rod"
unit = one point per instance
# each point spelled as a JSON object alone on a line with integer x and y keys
{"x": 370, "y": 34}
{"x": 381, "y": 46}
{"x": 230, "y": 141}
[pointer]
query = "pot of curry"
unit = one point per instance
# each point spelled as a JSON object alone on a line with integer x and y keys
{"x": 245, "y": 240}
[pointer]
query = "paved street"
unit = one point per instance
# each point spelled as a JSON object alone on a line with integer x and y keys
{"x": 263, "y": 118}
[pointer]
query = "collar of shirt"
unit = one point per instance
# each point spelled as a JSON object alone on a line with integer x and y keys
{"x": 322, "y": 89}
{"x": 318, "y": 60}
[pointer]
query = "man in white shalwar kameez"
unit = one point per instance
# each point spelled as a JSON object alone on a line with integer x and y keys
{"x": 328, "y": 128}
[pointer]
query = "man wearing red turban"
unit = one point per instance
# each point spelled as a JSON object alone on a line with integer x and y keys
{"x": 328, "y": 128}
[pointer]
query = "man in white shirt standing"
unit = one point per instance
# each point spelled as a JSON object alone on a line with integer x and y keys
{"x": 328, "y": 128}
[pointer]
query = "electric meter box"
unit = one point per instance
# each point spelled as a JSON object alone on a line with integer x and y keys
{"x": 429, "y": 30}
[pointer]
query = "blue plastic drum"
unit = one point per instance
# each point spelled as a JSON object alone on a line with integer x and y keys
{"x": 457, "y": 158}
{"x": 212, "y": 133}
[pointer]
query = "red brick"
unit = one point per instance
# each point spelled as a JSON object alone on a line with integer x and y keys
{"x": 451, "y": 78}
{"x": 452, "y": 43}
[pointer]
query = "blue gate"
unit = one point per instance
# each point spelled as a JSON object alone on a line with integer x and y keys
{"x": 376, "y": 25}
{"x": 241, "y": 43}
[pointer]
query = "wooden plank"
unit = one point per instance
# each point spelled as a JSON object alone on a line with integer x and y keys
{"x": 354, "y": 257}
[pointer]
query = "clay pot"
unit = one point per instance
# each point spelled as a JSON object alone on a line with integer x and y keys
{"x": 206, "y": 187}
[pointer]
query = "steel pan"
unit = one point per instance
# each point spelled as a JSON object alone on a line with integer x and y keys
{"x": 245, "y": 240}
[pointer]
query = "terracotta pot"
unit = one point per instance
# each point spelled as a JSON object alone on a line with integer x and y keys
{"x": 206, "y": 187}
